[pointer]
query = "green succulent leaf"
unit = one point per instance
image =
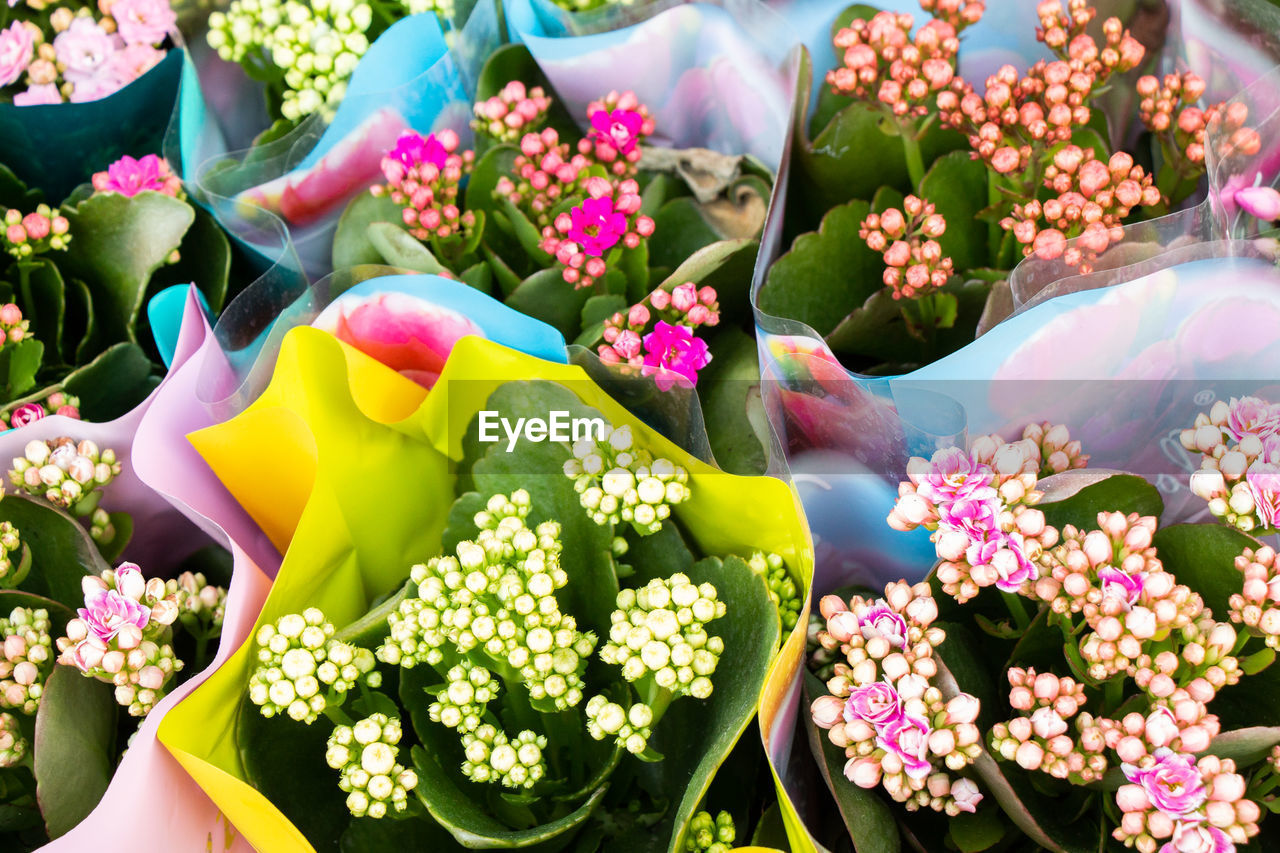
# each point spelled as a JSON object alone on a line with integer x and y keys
{"x": 74, "y": 747}
{"x": 352, "y": 245}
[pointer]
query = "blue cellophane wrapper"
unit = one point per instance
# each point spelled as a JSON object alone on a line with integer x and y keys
{"x": 1180, "y": 314}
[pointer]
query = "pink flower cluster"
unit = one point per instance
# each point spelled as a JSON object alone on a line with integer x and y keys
{"x": 1168, "y": 109}
{"x": 619, "y": 123}
{"x": 958, "y": 13}
{"x": 1064, "y": 34}
{"x": 895, "y": 726}
{"x": 1239, "y": 474}
{"x": 671, "y": 347}
{"x": 1093, "y": 199}
{"x": 1178, "y": 722}
{"x": 581, "y": 239}
{"x": 121, "y": 636}
{"x": 57, "y": 403}
{"x": 979, "y": 506}
{"x": 1227, "y": 125}
{"x": 884, "y": 63}
{"x": 914, "y": 263}
{"x": 1198, "y": 805}
{"x": 129, "y": 177}
{"x": 13, "y": 327}
{"x": 1257, "y": 605}
{"x": 1052, "y": 734}
{"x": 423, "y": 175}
{"x": 1058, "y": 452}
{"x": 87, "y": 59}
{"x": 512, "y": 112}
{"x": 43, "y": 230}
{"x": 543, "y": 175}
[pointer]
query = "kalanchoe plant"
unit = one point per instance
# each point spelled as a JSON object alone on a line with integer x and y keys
{"x": 1016, "y": 166}
{"x": 72, "y": 476}
{"x": 1105, "y": 627}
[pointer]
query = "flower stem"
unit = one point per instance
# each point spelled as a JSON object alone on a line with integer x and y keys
{"x": 1016, "y": 609}
{"x": 915, "y": 162}
{"x": 1113, "y": 694}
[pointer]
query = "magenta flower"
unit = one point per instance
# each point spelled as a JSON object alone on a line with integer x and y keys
{"x": 1262, "y": 202}
{"x": 84, "y": 48}
{"x": 1004, "y": 552}
{"x": 129, "y": 177}
{"x": 1251, "y": 416}
{"x": 1120, "y": 586}
{"x": 674, "y": 350}
{"x": 1264, "y": 484}
{"x": 973, "y": 516}
{"x": 45, "y": 93}
{"x": 1196, "y": 837}
{"x": 145, "y": 22}
{"x": 17, "y": 47}
{"x": 908, "y": 739}
{"x": 877, "y": 704}
{"x": 412, "y": 149}
{"x": 618, "y": 128}
{"x": 1172, "y": 784}
{"x": 596, "y": 226}
{"x": 106, "y": 612}
{"x": 28, "y": 413}
{"x": 953, "y": 475}
{"x": 880, "y": 620}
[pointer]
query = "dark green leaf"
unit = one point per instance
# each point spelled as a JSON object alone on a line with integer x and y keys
{"x": 351, "y": 244}
{"x": 479, "y": 276}
{"x": 596, "y": 310}
{"x": 1202, "y": 556}
{"x": 366, "y": 835}
{"x": 123, "y": 524}
{"x": 43, "y": 298}
{"x": 61, "y": 551}
{"x": 74, "y": 747}
{"x": 111, "y": 384}
{"x": 725, "y": 387}
{"x": 14, "y": 193}
{"x": 204, "y": 258}
{"x": 727, "y": 266}
{"x": 978, "y": 831}
{"x": 400, "y": 249}
{"x": 957, "y": 187}
{"x": 679, "y": 230}
{"x": 546, "y": 296}
{"x": 21, "y": 361}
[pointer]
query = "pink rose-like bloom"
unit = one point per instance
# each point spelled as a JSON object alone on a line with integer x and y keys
{"x": 973, "y": 516}
{"x": 1172, "y": 784}
{"x": 17, "y": 46}
{"x": 1251, "y": 416}
{"x": 410, "y": 335}
{"x": 129, "y": 177}
{"x": 1006, "y": 553}
{"x": 619, "y": 129}
{"x": 908, "y": 739}
{"x": 1262, "y": 202}
{"x": 596, "y": 226}
{"x": 880, "y": 620}
{"x": 106, "y": 612}
{"x": 674, "y": 350}
{"x": 84, "y": 48}
{"x": 27, "y": 413}
{"x": 46, "y": 93}
{"x": 1198, "y": 838}
{"x": 966, "y": 794}
{"x": 954, "y": 475}
{"x": 1120, "y": 586}
{"x": 144, "y": 22}
{"x": 1264, "y": 484}
{"x": 131, "y": 62}
{"x": 875, "y": 703}
{"x": 412, "y": 149}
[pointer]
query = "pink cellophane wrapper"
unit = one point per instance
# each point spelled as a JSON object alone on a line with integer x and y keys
{"x": 177, "y": 505}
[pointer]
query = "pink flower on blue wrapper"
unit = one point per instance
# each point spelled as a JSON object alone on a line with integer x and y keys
{"x": 1118, "y": 585}
{"x": 1172, "y": 784}
{"x": 876, "y": 704}
{"x": 907, "y": 738}
{"x": 596, "y": 226}
{"x": 617, "y": 128}
{"x": 673, "y": 354}
{"x": 17, "y": 47}
{"x": 413, "y": 149}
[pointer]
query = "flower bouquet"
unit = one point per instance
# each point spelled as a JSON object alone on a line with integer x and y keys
{"x": 559, "y": 731}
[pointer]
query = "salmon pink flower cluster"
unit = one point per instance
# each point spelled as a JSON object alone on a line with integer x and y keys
{"x": 423, "y": 176}
{"x": 544, "y": 173}
{"x": 1239, "y": 474}
{"x": 129, "y": 177}
{"x": 619, "y": 123}
{"x": 884, "y": 64}
{"x": 42, "y": 230}
{"x": 685, "y": 305}
{"x": 1257, "y": 605}
{"x": 1169, "y": 108}
{"x": 895, "y": 725}
{"x": 1052, "y": 732}
{"x": 914, "y": 263}
{"x": 513, "y": 112}
{"x": 1190, "y": 804}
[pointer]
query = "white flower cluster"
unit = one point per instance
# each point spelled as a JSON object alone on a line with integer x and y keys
{"x": 497, "y": 596}
{"x": 27, "y": 660}
{"x": 493, "y": 757}
{"x": 296, "y": 656}
{"x": 365, "y": 754}
{"x": 617, "y": 482}
{"x": 64, "y": 472}
{"x": 630, "y": 727}
{"x": 461, "y": 702}
{"x": 660, "y": 630}
{"x": 13, "y": 746}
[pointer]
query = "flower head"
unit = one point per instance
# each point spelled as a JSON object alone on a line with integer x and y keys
{"x": 619, "y": 129}
{"x": 876, "y": 703}
{"x": 365, "y": 755}
{"x": 17, "y": 46}
{"x": 514, "y": 111}
{"x": 619, "y": 123}
{"x": 83, "y": 48}
{"x": 906, "y": 738}
{"x": 143, "y": 22}
{"x": 608, "y": 216}
{"x": 597, "y": 226}
{"x": 674, "y": 350}
{"x": 129, "y": 177}
{"x": 1171, "y": 782}
{"x": 412, "y": 149}
{"x": 107, "y": 612}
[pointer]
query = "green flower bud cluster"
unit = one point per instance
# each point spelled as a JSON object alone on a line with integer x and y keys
{"x": 618, "y": 482}
{"x": 710, "y": 835}
{"x": 496, "y": 597}
{"x": 13, "y": 746}
{"x": 461, "y": 702}
{"x": 65, "y": 473}
{"x": 493, "y": 757}
{"x": 198, "y": 598}
{"x": 782, "y": 588}
{"x": 297, "y": 656}
{"x": 365, "y": 755}
{"x": 27, "y": 660}
{"x": 142, "y": 680}
{"x": 630, "y": 727}
{"x": 660, "y": 630}
{"x": 12, "y": 572}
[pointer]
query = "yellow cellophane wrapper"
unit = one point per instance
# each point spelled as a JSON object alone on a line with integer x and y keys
{"x": 346, "y": 465}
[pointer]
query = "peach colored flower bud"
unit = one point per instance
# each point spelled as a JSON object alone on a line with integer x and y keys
{"x": 827, "y": 711}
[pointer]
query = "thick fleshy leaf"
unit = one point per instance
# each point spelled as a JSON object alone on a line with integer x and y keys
{"x": 366, "y": 835}
{"x": 725, "y": 387}
{"x": 957, "y": 185}
{"x": 351, "y": 243}
{"x": 725, "y": 265}
{"x": 118, "y": 242}
{"x": 1202, "y": 556}
{"x": 42, "y": 293}
{"x": 867, "y": 817}
{"x": 400, "y": 249}
{"x": 1245, "y": 746}
{"x": 827, "y": 273}
{"x": 204, "y": 258}
{"x": 594, "y": 313}
{"x": 61, "y": 551}
{"x": 546, "y": 296}
{"x": 878, "y": 330}
{"x": 978, "y": 831}
{"x": 679, "y": 230}
{"x": 113, "y": 383}
{"x": 18, "y": 365}
{"x": 74, "y": 747}
{"x": 1076, "y": 497}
